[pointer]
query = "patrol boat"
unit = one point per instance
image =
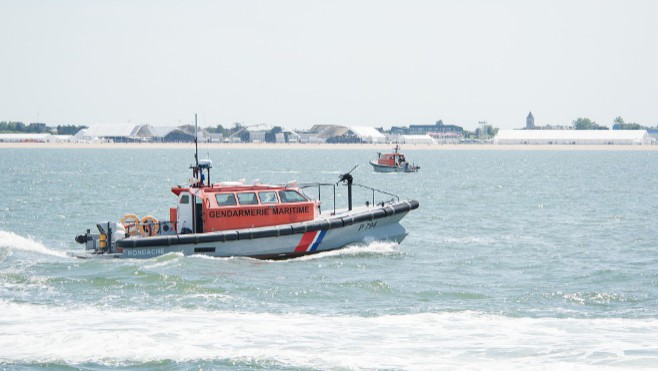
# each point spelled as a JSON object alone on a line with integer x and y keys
{"x": 393, "y": 163}
{"x": 252, "y": 220}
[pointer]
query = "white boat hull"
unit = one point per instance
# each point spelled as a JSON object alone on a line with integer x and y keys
{"x": 406, "y": 168}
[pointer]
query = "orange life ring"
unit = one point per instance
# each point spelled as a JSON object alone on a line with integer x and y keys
{"x": 131, "y": 223}
{"x": 149, "y": 226}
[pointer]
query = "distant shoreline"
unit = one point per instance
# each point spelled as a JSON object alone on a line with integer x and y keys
{"x": 368, "y": 147}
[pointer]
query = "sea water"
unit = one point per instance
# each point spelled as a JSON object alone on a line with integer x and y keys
{"x": 514, "y": 260}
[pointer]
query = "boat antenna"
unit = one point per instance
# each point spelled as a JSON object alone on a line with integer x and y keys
{"x": 196, "y": 142}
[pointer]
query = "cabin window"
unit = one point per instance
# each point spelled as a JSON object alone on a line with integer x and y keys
{"x": 291, "y": 196}
{"x": 268, "y": 197}
{"x": 247, "y": 198}
{"x": 226, "y": 199}
{"x": 185, "y": 199}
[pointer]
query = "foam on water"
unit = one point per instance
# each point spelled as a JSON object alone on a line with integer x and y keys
{"x": 12, "y": 241}
{"x": 76, "y": 335}
{"x": 372, "y": 248}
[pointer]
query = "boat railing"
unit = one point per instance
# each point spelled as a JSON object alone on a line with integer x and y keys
{"x": 396, "y": 197}
{"x": 319, "y": 187}
{"x": 374, "y": 192}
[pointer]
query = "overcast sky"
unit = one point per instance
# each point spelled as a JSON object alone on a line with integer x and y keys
{"x": 299, "y": 63}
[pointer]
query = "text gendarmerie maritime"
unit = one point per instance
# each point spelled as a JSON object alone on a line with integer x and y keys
{"x": 259, "y": 212}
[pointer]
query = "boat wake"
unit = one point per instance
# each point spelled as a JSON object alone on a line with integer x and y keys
{"x": 371, "y": 249}
{"x": 13, "y": 242}
{"x": 38, "y": 333}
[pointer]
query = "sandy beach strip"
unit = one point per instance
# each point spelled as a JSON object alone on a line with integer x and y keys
{"x": 326, "y": 146}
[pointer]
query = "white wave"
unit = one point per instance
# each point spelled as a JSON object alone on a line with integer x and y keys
{"x": 13, "y": 241}
{"x": 372, "y": 248}
{"x": 32, "y": 333}
{"x": 165, "y": 260}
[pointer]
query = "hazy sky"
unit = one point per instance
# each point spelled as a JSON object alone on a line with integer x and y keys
{"x": 300, "y": 63}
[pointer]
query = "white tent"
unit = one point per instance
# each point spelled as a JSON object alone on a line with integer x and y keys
{"x": 368, "y": 134}
{"x": 416, "y": 139}
{"x": 117, "y": 132}
{"x": 64, "y": 138}
{"x": 27, "y": 137}
{"x": 627, "y": 137}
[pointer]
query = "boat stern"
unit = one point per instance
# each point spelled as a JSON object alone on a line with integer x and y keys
{"x": 103, "y": 242}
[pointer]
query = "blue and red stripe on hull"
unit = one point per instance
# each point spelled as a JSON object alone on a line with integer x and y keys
{"x": 310, "y": 241}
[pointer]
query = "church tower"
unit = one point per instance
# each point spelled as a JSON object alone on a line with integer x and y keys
{"x": 530, "y": 121}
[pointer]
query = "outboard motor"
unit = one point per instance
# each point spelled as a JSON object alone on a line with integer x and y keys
{"x": 105, "y": 240}
{"x": 90, "y": 240}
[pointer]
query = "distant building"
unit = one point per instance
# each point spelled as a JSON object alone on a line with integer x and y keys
{"x": 182, "y": 134}
{"x": 37, "y": 127}
{"x": 329, "y": 131}
{"x": 309, "y": 137}
{"x": 257, "y": 135}
{"x": 161, "y": 132}
{"x": 290, "y": 136}
{"x": 530, "y": 121}
{"x": 342, "y": 134}
{"x": 328, "y": 134}
{"x": 436, "y": 131}
{"x": 215, "y": 137}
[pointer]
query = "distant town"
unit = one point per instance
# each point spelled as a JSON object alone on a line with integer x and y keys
{"x": 580, "y": 131}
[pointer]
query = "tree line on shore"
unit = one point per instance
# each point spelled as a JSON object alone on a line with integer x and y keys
{"x": 38, "y": 128}
{"x": 583, "y": 123}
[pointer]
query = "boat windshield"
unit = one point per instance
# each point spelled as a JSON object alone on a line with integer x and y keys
{"x": 291, "y": 196}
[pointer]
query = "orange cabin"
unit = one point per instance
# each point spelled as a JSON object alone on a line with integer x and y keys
{"x": 390, "y": 159}
{"x": 237, "y": 207}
